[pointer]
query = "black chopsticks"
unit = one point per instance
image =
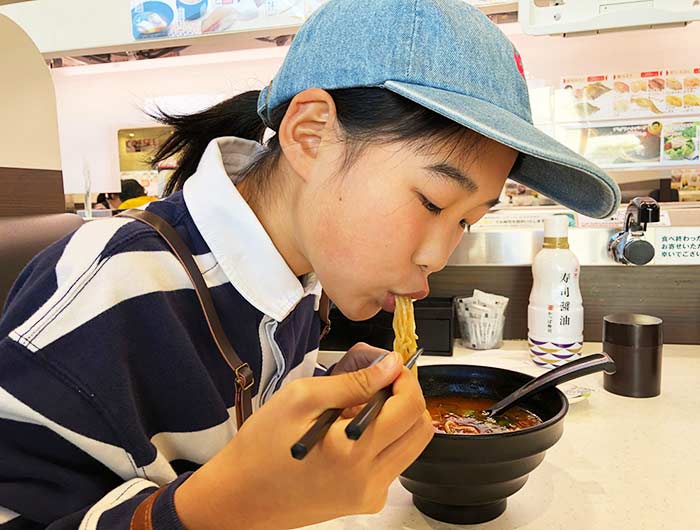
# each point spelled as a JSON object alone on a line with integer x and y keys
{"x": 320, "y": 427}
{"x": 371, "y": 410}
{"x": 315, "y": 433}
{"x": 357, "y": 426}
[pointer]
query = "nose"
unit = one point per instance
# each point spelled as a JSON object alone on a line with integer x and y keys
{"x": 433, "y": 255}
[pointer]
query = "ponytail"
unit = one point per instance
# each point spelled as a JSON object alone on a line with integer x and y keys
{"x": 192, "y": 133}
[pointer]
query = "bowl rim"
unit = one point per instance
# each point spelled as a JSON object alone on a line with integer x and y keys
{"x": 499, "y": 435}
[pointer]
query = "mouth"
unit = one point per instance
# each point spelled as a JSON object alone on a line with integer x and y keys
{"x": 389, "y": 304}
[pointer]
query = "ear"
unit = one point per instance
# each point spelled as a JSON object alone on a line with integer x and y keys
{"x": 309, "y": 122}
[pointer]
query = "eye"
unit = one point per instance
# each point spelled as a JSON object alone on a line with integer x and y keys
{"x": 435, "y": 210}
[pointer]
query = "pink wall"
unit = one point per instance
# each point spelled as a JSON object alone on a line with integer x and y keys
{"x": 550, "y": 58}
{"x": 94, "y": 102}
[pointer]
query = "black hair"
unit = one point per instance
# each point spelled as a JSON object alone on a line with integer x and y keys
{"x": 131, "y": 188}
{"x": 367, "y": 116}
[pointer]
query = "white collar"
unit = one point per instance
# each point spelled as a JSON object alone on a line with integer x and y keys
{"x": 234, "y": 234}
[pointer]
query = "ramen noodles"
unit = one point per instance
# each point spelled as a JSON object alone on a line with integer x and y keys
{"x": 404, "y": 324}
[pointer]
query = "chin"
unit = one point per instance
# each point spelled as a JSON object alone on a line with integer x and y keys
{"x": 359, "y": 312}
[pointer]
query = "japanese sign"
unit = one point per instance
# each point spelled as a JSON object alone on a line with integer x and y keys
{"x": 678, "y": 246}
{"x": 558, "y": 316}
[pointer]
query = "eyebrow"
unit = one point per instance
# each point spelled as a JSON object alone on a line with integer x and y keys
{"x": 452, "y": 173}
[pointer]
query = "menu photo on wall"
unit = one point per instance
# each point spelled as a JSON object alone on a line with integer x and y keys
{"x": 616, "y": 96}
{"x": 646, "y": 143}
{"x": 183, "y": 18}
{"x": 681, "y": 142}
{"x": 624, "y": 144}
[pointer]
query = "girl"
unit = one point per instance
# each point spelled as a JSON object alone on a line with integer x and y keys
{"x": 396, "y": 124}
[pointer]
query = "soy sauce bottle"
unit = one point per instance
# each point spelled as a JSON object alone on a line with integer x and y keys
{"x": 555, "y": 312}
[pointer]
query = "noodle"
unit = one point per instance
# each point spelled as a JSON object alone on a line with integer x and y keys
{"x": 405, "y": 329}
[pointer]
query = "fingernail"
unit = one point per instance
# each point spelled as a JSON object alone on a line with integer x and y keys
{"x": 389, "y": 362}
{"x": 380, "y": 358}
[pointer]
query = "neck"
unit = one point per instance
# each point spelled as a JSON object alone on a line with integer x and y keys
{"x": 275, "y": 211}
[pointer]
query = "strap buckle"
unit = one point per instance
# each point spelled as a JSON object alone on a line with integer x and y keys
{"x": 326, "y": 329}
{"x": 243, "y": 380}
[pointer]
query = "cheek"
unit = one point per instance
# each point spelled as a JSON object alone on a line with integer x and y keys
{"x": 362, "y": 242}
{"x": 458, "y": 235}
{"x": 356, "y": 236}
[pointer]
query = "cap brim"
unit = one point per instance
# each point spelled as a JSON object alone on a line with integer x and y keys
{"x": 546, "y": 165}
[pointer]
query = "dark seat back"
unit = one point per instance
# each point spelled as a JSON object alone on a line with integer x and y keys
{"x": 22, "y": 238}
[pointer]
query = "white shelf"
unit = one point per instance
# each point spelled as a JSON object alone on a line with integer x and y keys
{"x": 593, "y": 16}
{"x": 612, "y": 122}
{"x": 623, "y": 175}
{"x": 78, "y": 35}
{"x": 498, "y": 8}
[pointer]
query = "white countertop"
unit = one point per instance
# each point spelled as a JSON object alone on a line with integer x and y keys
{"x": 622, "y": 463}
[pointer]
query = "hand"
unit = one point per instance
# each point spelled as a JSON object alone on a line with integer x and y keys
{"x": 254, "y": 483}
{"x": 360, "y": 356}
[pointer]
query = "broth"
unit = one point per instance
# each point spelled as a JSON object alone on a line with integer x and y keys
{"x": 463, "y": 415}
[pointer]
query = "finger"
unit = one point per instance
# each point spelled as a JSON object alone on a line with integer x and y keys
{"x": 397, "y": 416}
{"x": 368, "y": 352}
{"x": 400, "y": 411}
{"x": 369, "y": 447}
{"x": 361, "y": 355}
{"x": 314, "y": 395}
{"x": 354, "y": 411}
{"x": 351, "y": 412}
{"x": 396, "y": 458}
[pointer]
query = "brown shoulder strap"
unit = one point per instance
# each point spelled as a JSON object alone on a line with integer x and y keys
{"x": 324, "y": 309}
{"x": 142, "y": 518}
{"x": 244, "y": 375}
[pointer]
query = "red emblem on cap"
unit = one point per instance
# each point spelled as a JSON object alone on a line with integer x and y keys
{"x": 519, "y": 62}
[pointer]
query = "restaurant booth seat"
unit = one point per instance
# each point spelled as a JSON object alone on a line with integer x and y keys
{"x": 23, "y": 237}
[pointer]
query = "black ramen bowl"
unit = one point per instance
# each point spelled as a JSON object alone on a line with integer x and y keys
{"x": 466, "y": 479}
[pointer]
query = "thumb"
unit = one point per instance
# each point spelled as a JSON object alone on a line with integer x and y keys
{"x": 355, "y": 388}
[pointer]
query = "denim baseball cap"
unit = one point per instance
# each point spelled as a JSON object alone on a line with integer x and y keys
{"x": 448, "y": 57}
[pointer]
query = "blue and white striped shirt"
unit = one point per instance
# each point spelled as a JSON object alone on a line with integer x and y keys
{"x": 110, "y": 383}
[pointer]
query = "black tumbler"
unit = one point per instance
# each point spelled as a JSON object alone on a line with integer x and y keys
{"x": 634, "y": 342}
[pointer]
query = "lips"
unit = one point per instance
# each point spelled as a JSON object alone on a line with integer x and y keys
{"x": 389, "y": 304}
{"x": 418, "y": 295}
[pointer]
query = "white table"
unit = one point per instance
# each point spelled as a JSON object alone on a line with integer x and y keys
{"x": 622, "y": 464}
